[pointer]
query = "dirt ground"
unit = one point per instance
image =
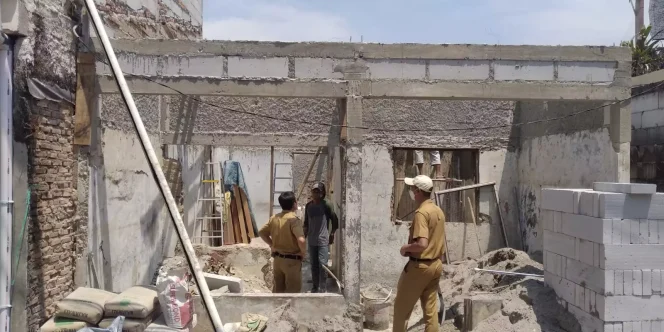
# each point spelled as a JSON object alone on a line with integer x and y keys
{"x": 528, "y": 305}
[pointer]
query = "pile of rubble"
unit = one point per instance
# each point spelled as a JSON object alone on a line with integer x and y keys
{"x": 524, "y": 302}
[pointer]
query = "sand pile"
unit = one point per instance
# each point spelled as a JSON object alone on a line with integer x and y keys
{"x": 528, "y": 305}
{"x": 285, "y": 319}
{"x": 249, "y": 262}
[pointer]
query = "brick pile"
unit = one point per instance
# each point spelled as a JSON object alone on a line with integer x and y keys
{"x": 52, "y": 231}
{"x": 603, "y": 255}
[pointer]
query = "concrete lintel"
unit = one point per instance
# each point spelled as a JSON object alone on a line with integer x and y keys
{"x": 240, "y": 87}
{"x": 242, "y": 139}
{"x": 654, "y": 77}
{"x": 513, "y": 91}
{"x": 371, "y": 51}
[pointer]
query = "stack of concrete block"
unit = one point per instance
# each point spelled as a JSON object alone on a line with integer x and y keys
{"x": 604, "y": 255}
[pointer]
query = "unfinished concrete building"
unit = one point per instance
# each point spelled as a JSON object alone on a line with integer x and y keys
{"x": 525, "y": 117}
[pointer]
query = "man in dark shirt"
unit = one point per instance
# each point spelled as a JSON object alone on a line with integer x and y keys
{"x": 320, "y": 224}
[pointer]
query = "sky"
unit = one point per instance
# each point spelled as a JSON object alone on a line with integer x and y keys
{"x": 511, "y": 22}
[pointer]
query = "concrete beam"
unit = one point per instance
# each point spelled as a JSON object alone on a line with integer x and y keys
{"x": 245, "y": 139}
{"x": 649, "y": 78}
{"x": 239, "y": 87}
{"x": 512, "y": 91}
{"x": 372, "y": 51}
{"x": 401, "y": 89}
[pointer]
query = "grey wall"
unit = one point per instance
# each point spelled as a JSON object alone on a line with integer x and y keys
{"x": 20, "y": 190}
{"x": 647, "y": 156}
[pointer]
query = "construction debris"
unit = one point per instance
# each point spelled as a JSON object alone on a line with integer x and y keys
{"x": 286, "y": 319}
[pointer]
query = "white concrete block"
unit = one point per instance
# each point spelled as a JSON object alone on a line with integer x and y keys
{"x": 587, "y": 228}
{"x": 588, "y": 322}
{"x": 617, "y": 231}
{"x": 458, "y": 69}
{"x": 558, "y": 222}
{"x": 653, "y": 118}
{"x": 580, "y": 296}
{"x": 585, "y": 251}
{"x": 657, "y": 281}
{"x": 653, "y": 232}
{"x": 206, "y": 66}
{"x": 586, "y": 71}
{"x": 637, "y": 120}
{"x": 317, "y": 68}
{"x": 628, "y": 283}
{"x": 397, "y": 69}
{"x": 644, "y": 235}
{"x": 577, "y": 197}
{"x": 625, "y": 231}
{"x": 587, "y": 295}
{"x": 561, "y": 200}
{"x": 257, "y": 67}
{"x": 613, "y": 327}
{"x": 523, "y": 70}
{"x": 563, "y": 287}
{"x": 626, "y": 206}
{"x": 633, "y": 257}
{"x": 593, "y": 302}
{"x": 646, "y": 326}
{"x": 214, "y": 281}
{"x": 560, "y": 244}
{"x": 626, "y": 308}
{"x": 647, "y": 282}
{"x": 617, "y": 327}
{"x": 609, "y": 283}
{"x": 660, "y": 231}
{"x": 625, "y": 188}
{"x": 645, "y": 102}
{"x": 634, "y": 230}
{"x": 589, "y": 204}
{"x": 591, "y": 277}
{"x": 547, "y": 219}
{"x": 618, "y": 282}
{"x": 637, "y": 282}
{"x": 628, "y": 327}
{"x": 596, "y": 254}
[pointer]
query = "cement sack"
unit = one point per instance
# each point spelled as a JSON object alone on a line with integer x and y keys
{"x": 84, "y": 304}
{"x": 175, "y": 300}
{"x": 116, "y": 326}
{"x": 136, "y": 302}
{"x": 63, "y": 325}
{"x": 130, "y": 324}
{"x": 159, "y": 325}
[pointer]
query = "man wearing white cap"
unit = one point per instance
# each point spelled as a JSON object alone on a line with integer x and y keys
{"x": 426, "y": 246}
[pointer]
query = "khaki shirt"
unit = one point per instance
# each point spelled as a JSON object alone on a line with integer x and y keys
{"x": 284, "y": 228}
{"x": 429, "y": 223}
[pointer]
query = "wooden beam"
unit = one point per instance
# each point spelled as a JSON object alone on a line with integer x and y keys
{"x": 85, "y": 88}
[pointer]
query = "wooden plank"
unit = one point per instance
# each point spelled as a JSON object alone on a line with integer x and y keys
{"x": 271, "y": 180}
{"x": 306, "y": 177}
{"x": 240, "y": 214}
{"x": 85, "y": 85}
{"x": 247, "y": 214}
{"x": 236, "y": 223}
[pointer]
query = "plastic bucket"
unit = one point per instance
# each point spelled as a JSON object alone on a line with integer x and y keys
{"x": 376, "y": 314}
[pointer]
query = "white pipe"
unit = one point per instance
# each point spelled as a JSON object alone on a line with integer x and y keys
{"x": 6, "y": 195}
{"x": 510, "y": 273}
{"x": 156, "y": 168}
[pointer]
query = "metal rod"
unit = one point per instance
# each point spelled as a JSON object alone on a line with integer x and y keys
{"x": 500, "y": 215}
{"x": 447, "y": 249}
{"x": 439, "y": 180}
{"x": 511, "y": 273}
{"x": 271, "y": 181}
{"x": 472, "y": 186}
{"x": 156, "y": 168}
{"x": 477, "y": 234}
{"x": 6, "y": 195}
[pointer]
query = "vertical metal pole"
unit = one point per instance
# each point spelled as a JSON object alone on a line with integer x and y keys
{"x": 6, "y": 194}
{"x": 639, "y": 15}
{"x": 271, "y": 181}
{"x": 156, "y": 168}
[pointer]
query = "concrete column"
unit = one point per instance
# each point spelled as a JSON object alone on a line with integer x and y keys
{"x": 620, "y": 130}
{"x": 352, "y": 200}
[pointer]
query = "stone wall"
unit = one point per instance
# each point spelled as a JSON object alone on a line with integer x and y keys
{"x": 54, "y": 237}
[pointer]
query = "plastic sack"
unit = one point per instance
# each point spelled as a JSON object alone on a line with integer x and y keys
{"x": 177, "y": 305}
{"x": 115, "y": 327}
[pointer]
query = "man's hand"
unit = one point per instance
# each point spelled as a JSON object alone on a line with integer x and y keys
{"x": 403, "y": 251}
{"x": 331, "y": 238}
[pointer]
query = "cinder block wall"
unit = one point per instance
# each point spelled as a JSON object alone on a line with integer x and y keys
{"x": 602, "y": 255}
{"x": 647, "y": 154}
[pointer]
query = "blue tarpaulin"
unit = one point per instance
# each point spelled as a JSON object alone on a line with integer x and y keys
{"x": 233, "y": 177}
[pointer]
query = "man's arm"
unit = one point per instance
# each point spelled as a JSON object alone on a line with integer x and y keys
{"x": 264, "y": 233}
{"x": 305, "y": 228}
{"x": 334, "y": 219}
{"x": 420, "y": 234}
{"x": 298, "y": 232}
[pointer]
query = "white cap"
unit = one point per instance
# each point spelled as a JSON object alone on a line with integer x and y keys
{"x": 422, "y": 182}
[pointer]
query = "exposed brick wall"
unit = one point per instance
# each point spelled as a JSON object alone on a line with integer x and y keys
{"x": 52, "y": 231}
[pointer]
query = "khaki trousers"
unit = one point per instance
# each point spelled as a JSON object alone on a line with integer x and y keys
{"x": 287, "y": 275}
{"x": 418, "y": 281}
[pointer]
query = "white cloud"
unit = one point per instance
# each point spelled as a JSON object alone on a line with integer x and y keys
{"x": 264, "y": 21}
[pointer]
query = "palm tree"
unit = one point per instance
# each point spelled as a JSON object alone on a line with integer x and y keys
{"x": 647, "y": 55}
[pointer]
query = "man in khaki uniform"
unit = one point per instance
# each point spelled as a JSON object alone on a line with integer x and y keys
{"x": 284, "y": 234}
{"x": 425, "y": 249}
